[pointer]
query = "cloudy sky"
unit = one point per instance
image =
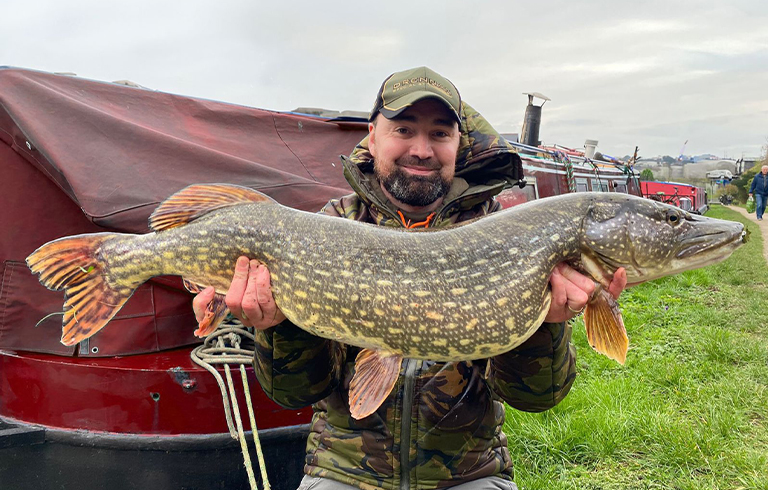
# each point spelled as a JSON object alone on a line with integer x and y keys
{"x": 648, "y": 73}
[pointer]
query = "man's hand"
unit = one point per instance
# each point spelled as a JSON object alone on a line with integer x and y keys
{"x": 571, "y": 291}
{"x": 249, "y": 297}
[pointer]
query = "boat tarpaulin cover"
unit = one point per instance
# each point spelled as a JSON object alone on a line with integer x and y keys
{"x": 80, "y": 156}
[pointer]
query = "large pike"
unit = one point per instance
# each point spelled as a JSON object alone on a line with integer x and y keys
{"x": 471, "y": 291}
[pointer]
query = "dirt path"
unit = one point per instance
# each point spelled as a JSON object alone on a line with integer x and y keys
{"x": 762, "y": 224}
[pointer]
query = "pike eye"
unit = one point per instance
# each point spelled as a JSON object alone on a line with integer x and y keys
{"x": 673, "y": 218}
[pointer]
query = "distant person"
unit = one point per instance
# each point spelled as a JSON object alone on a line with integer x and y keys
{"x": 759, "y": 188}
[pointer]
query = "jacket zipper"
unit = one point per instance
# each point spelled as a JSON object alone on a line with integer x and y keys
{"x": 405, "y": 424}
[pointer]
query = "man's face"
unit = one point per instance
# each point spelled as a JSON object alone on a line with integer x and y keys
{"x": 764, "y": 169}
{"x": 415, "y": 152}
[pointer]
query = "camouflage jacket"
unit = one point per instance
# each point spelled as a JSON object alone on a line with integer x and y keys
{"x": 442, "y": 423}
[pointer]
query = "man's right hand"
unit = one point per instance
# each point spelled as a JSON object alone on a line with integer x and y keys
{"x": 249, "y": 297}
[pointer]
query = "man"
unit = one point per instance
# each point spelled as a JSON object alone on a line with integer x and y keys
{"x": 429, "y": 160}
{"x": 759, "y": 188}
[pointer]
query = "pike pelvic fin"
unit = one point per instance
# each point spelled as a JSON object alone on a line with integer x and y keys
{"x": 215, "y": 312}
{"x": 605, "y": 327}
{"x": 375, "y": 375}
{"x": 197, "y": 200}
{"x": 72, "y": 264}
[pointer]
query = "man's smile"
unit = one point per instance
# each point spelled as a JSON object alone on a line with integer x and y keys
{"x": 419, "y": 170}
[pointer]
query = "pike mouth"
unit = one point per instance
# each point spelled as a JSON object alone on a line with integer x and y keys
{"x": 707, "y": 243}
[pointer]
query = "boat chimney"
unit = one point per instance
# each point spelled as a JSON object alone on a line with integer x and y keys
{"x": 532, "y": 121}
{"x": 589, "y": 148}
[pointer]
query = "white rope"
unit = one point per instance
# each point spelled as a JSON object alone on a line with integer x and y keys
{"x": 224, "y": 347}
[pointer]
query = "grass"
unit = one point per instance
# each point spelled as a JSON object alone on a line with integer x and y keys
{"x": 690, "y": 408}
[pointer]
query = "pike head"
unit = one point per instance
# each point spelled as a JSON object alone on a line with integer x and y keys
{"x": 651, "y": 239}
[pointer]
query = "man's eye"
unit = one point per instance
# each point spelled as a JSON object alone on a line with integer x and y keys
{"x": 402, "y": 130}
{"x": 441, "y": 134}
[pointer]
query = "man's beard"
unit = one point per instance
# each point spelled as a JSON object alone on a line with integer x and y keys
{"x": 414, "y": 190}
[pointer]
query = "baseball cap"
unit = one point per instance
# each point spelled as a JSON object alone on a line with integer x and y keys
{"x": 403, "y": 89}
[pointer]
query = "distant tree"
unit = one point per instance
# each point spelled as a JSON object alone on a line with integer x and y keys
{"x": 744, "y": 181}
{"x": 668, "y": 159}
{"x": 728, "y": 190}
{"x": 646, "y": 174}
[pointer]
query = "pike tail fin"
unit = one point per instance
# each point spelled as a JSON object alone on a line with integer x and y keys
{"x": 605, "y": 327}
{"x": 72, "y": 264}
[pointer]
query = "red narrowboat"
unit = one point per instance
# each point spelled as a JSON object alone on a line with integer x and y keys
{"x": 685, "y": 196}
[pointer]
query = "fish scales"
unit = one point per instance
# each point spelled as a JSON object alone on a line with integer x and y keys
{"x": 437, "y": 295}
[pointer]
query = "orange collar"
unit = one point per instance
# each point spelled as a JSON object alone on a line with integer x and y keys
{"x": 409, "y": 225}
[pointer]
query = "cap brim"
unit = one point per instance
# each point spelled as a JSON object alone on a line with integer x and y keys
{"x": 401, "y": 104}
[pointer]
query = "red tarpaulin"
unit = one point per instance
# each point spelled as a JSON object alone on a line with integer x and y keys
{"x": 80, "y": 156}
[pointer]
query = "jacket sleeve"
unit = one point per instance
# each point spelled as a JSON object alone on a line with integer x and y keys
{"x": 752, "y": 186}
{"x": 538, "y": 374}
{"x": 294, "y": 367}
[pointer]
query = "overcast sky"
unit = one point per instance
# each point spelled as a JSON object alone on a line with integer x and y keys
{"x": 647, "y": 73}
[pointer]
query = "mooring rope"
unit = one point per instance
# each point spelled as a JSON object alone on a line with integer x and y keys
{"x": 224, "y": 347}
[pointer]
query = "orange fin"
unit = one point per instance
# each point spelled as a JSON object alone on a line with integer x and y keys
{"x": 192, "y": 287}
{"x": 197, "y": 200}
{"x": 215, "y": 312}
{"x": 605, "y": 327}
{"x": 375, "y": 375}
{"x": 72, "y": 264}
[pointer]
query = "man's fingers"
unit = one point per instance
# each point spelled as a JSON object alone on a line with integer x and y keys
{"x": 252, "y": 313}
{"x": 619, "y": 282}
{"x": 264, "y": 291}
{"x": 263, "y": 282}
{"x": 234, "y": 297}
{"x": 578, "y": 279}
{"x": 557, "y": 281}
{"x": 200, "y": 302}
{"x": 570, "y": 288}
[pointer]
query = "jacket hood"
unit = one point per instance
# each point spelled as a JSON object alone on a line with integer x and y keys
{"x": 485, "y": 163}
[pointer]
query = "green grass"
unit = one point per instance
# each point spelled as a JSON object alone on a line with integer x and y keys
{"x": 690, "y": 408}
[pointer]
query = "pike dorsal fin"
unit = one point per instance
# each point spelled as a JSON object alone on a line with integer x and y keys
{"x": 197, "y": 200}
{"x": 605, "y": 327}
{"x": 375, "y": 375}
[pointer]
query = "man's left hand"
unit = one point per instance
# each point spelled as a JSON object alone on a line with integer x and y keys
{"x": 572, "y": 290}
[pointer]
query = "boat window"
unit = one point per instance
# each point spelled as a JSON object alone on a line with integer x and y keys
{"x": 686, "y": 204}
{"x": 581, "y": 185}
{"x": 599, "y": 185}
{"x": 514, "y": 195}
{"x": 620, "y": 187}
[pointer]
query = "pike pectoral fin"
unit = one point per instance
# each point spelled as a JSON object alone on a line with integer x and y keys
{"x": 375, "y": 375}
{"x": 605, "y": 327}
{"x": 215, "y": 312}
{"x": 197, "y": 200}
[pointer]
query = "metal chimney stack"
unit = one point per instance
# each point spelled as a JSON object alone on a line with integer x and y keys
{"x": 532, "y": 122}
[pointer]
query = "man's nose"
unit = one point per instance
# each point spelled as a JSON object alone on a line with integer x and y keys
{"x": 421, "y": 147}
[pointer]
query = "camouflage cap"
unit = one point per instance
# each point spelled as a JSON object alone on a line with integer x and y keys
{"x": 403, "y": 89}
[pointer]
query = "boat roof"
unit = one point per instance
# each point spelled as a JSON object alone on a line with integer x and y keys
{"x": 119, "y": 149}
